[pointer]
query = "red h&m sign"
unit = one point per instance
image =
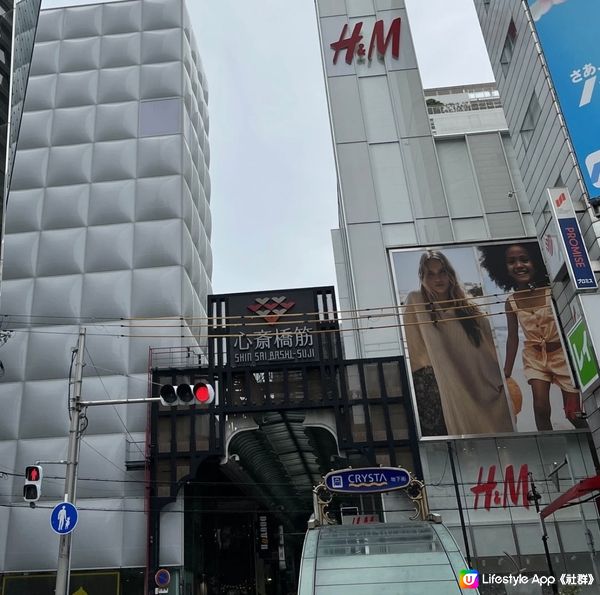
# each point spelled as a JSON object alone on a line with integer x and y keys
{"x": 512, "y": 492}
{"x": 379, "y": 40}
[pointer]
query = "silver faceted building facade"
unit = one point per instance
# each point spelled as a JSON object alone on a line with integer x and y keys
{"x": 108, "y": 227}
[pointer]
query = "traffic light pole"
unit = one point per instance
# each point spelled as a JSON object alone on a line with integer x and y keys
{"x": 535, "y": 496}
{"x": 76, "y": 405}
{"x": 64, "y": 548}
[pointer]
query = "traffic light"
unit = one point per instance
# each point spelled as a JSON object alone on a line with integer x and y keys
{"x": 200, "y": 393}
{"x": 32, "y": 490}
{"x": 204, "y": 393}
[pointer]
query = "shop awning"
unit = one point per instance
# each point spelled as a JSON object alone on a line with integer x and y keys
{"x": 583, "y": 488}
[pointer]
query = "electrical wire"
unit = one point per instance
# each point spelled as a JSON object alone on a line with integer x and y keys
{"x": 194, "y": 337}
{"x": 113, "y": 406}
{"x": 508, "y": 506}
{"x": 249, "y": 320}
{"x": 194, "y": 482}
{"x": 84, "y": 441}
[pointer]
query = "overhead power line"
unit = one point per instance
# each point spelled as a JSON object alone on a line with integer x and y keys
{"x": 251, "y": 320}
{"x": 370, "y": 317}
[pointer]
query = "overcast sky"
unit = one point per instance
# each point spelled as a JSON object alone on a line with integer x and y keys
{"x": 274, "y": 197}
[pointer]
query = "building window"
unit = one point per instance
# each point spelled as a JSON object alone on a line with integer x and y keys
{"x": 160, "y": 116}
{"x": 509, "y": 47}
{"x": 532, "y": 115}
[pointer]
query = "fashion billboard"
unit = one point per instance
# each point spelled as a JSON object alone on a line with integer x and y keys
{"x": 568, "y": 34}
{"x": 484, "y": 346}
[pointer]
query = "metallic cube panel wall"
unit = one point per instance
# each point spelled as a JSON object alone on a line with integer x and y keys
{"x": 109, "y": 218}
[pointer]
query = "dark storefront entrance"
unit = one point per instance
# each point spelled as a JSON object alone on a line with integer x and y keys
{"x": 234, "y": 543}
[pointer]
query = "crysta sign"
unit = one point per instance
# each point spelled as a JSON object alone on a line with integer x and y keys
{"x": 369, "y": 480}
{"x": 380, "y": 39}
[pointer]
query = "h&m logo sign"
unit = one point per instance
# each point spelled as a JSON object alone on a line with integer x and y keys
{"x": 380, "y": 41}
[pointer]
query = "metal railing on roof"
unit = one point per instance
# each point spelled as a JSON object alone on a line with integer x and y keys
{"x": 179, "y": 357}
{"x": 465, "y": 106}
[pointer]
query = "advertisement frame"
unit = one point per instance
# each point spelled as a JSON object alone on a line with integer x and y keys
{"x": 499, "y": 353}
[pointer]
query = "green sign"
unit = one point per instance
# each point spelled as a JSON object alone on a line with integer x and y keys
{"x": 584, "y": 358}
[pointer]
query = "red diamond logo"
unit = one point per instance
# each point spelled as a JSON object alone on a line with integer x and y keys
{"x": 272, "y": 308}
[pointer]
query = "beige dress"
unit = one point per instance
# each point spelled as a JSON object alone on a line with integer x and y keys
{"x": 469, "y": 379}
{"x": 539, "y": 327}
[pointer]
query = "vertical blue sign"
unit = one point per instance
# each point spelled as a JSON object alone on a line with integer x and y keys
{"x": 568, "y": 33}
{"x": 578, "y": 257}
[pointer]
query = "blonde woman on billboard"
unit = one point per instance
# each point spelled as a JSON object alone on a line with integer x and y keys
{"x": 448, "y": 334}
{"x": 519, "y": 268}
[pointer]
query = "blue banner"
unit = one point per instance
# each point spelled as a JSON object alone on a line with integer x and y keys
{"x": 568, "y": 33}
{"x": 578, "y": 256}
{"x": 370, "y": 480}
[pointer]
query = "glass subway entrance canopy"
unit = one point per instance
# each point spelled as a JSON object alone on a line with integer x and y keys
{"x": 418, "y": 557}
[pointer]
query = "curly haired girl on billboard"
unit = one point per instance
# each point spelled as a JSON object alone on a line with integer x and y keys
{"x": 519, "y": 269}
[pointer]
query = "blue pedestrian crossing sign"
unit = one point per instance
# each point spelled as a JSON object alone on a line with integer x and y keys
{"x": 63, "y": 518}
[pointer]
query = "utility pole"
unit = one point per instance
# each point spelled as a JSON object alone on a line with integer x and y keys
{"x": 63, "y": 569}
{"x": 535, "y": 497}
{"x": 459, "y": 504}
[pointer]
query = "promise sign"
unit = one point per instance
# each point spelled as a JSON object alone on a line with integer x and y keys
{"x": 575, "y": 251}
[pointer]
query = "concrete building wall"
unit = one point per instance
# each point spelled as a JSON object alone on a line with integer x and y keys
{"x": 109, "y": 228}
{"x": 414, "y": 177}
{"x": 392, "y": 191}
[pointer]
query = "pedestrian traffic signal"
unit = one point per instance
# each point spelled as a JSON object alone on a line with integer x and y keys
{"x": 200, "y": 393}
{"x": 32, "y": 490}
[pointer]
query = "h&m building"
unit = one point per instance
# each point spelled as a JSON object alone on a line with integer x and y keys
{"x": 435, "y": 225}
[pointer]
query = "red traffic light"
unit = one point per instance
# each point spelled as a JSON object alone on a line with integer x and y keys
{"x": 201, "y": 393}
{"x": 32, "y": 490}
{"x": 204, "y": 393}
{"x": 32, "y": 473}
